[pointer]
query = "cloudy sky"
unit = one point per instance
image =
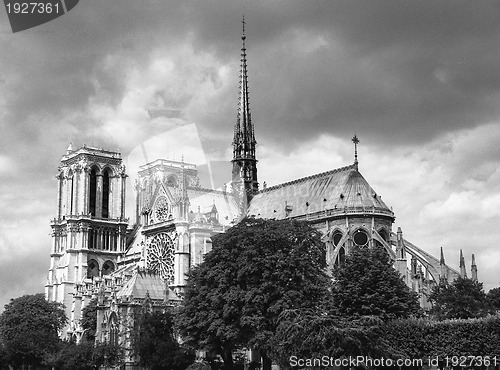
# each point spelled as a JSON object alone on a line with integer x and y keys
{"x": 417, "y": 81}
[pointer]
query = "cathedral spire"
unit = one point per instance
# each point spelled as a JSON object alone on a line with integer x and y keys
{"x": 244, "y": 162}
{"x": 244, "y": 136}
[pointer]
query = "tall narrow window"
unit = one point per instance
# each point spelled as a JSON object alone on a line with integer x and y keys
{"x": 105, "y": 194}
{"x": 93, "y": 192}
{"x": 340, "y": 257}
{"x": 91, "y": 239}
{"x": 113, "y": 329}
{"x": 71, "y": 191}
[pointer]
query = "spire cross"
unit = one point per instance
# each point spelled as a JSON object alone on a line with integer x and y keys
{"x": 355, "y": 140}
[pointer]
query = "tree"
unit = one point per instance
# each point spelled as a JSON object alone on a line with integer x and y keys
{"x": 85, "y": 356}
{"x": 308, "y": 334}
{"x": 156, "y": 345}
{"x": 366, "y": 293}
{"x": 493, "y": 297}
{"x": 255, "y": 271}
{"x": 29, "y": 329}
{"x": 89, "y": 320}
{"x": 3, "y": 357}
{"x": 366, "y": 284}
{"x": 462, "y": 299}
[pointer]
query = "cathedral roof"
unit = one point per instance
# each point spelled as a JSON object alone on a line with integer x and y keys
{"x": 333, "y": 193}
{"x": 144, "y": 283}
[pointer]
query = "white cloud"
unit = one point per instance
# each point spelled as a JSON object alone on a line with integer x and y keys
{"x": 7, "y": 166}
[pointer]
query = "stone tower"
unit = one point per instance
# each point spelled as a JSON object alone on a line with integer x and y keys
{"x": 89, "y": 230}
{"x": 244, "y": 174}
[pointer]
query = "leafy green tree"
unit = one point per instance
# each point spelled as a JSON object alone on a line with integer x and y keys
{"x": 85, "y": 356}
{"x": 313, "y": 333}
{"x": 368, "y": 285}
{"x": 3, "y": 357}
{"x": 255, "y": 271}
{"x": 156, "y": 345}
{"x": 89, "y": 320}
{"x": 462, "y": 299}
{"x": 493, "y": 297}
{"x": 366, "y": 292}
{"x": 29, "y": 328}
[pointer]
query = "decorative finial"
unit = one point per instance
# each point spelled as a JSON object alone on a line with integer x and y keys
{"x": 355, "y": 140}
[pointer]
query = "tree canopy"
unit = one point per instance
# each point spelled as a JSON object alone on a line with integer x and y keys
{"x": 493, "y": 297}
{"x": 255, "y": 271}
{"x": 89, "y": 320}
{"x": 156, "y": 345}
{"x": 84, "y": 356}
{"x": 367, "y": 284}
{"x": 314, "y": 333}
{"x": 462, "y": 299}
{"x": 29, "y": 328}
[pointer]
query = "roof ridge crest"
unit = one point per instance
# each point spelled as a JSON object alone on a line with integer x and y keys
{"x": 321, "y": 174}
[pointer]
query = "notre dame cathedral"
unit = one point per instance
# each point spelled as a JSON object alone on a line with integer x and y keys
{"x": 96, "y": 253}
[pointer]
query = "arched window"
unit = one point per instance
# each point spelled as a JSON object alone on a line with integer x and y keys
{"x": 172, "y": 180}
{"x": 383, "y": 234}
{"x": 71, "y": 189}
{"x": 93, "y": 191}
{"x": 340, "y": 257}
{"x": 105, "y": 194}
{"x": 337, "y": 236}
{"x": 92, "y": 269}
{"x": 113, "y": 329}
{"x": 108, "y": 267}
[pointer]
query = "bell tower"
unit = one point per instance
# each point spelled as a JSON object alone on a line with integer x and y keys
{"x": 244, "y": 174}
{"x": 89, "y": 230}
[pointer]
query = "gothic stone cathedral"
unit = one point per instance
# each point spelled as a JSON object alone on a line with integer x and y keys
{"x": 96, "y": 253}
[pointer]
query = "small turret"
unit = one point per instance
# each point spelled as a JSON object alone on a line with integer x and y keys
{"x": 400, "y": 263}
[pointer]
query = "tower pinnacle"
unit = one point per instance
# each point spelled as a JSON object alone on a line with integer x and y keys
{"x": 463, "y": 272}
{"x": 244, "y": 162}
{"x": 474, "y": 268}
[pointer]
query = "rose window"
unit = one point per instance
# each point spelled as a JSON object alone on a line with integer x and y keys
{"x": 360, "y": 238}
{"x": 161, "y": 210}
{"x": 161, "y": 256}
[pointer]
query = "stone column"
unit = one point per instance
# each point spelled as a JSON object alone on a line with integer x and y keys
{"x": 122, "y": 193}
{"x": 59, "y": 194}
